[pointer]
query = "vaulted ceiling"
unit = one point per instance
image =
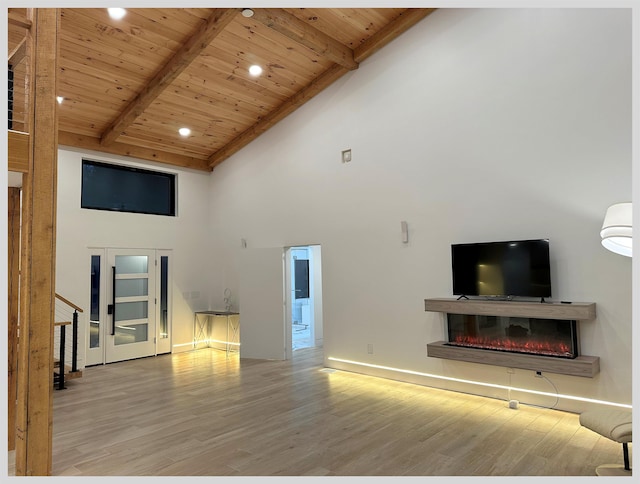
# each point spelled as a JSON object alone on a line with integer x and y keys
{"x": 128, "y": 85}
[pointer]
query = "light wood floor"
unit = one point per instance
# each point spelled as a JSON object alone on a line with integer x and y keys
{"x": 201, "y": 413}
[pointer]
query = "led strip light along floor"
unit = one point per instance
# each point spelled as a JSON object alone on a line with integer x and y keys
{"x": 484, "y": 384}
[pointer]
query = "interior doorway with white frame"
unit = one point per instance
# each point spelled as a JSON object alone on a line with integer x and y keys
{"x": 303, "y": 276}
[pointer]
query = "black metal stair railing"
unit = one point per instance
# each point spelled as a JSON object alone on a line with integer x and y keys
{"x": 62, "y": 321}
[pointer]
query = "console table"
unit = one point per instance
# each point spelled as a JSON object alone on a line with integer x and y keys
{"x": 585, "y": 366}
{"x": 201, "y": 328}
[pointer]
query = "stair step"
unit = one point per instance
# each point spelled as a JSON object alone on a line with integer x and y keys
{"x": 72, "y": 375}
{"x": 68, "y": 374}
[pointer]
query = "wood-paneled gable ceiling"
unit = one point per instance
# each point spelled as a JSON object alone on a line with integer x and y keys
{"x": 129, "y": 85}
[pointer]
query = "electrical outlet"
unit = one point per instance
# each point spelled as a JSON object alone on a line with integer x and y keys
{"x": 538, "y": 374}
{"x": 370, "y": 348}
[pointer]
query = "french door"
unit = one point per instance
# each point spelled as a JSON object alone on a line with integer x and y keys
{"x": 130, "y": 311}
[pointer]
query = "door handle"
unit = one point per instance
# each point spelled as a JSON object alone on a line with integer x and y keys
{"x": 113, "y": 301}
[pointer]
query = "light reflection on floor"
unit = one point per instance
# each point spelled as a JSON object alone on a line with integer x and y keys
{"x": 301, "y": 336}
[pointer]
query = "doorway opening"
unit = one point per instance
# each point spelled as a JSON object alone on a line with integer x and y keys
{"x": 267, "y": 300}
{"x": 304, "y": 304}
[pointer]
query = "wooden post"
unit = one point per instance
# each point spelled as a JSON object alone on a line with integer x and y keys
{"x": 34, "y": 429}
{"x": 13, "y": 293}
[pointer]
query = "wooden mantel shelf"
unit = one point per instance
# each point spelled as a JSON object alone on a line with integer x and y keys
{"x": 585, "y": 366}
{"x": 574, "y": 311}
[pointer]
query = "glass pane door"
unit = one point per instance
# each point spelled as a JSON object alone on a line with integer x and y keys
{"x": 131, "y": 306}
{"x": 163, "y": 314}
{"x": 97, "y": 309}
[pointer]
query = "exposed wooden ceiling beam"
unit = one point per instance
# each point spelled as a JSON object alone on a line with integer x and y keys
{"x": 215, "y": 24}
{"x": 408, "y": 18}
{"x": 18, "y": 53}
{"x": 404, "y": 22}
{"x": 294, "y": 102}
{"x": 90, "y": 143}
{"x": 307, "y": 35}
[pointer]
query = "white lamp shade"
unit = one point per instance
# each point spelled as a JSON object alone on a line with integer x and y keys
{"x": 617, "y": 229}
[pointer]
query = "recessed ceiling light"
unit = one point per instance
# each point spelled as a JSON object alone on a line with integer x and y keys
{"x": 116, "y": 13}
{"x": 247, "y": 12}
{"x": 59, "y": 99}
{"x": 255, "y": 70}
{"x": 184, "y": 131}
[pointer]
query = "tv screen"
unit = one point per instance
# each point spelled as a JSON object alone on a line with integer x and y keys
{"x": 502, "y": 269}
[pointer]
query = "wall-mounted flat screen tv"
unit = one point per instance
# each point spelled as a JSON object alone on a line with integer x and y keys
{"x": 502, "y": 269}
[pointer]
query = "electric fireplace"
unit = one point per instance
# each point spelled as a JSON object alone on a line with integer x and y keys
{"x": 543, "y": 337}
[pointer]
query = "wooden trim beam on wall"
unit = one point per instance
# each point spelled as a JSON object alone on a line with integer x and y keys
{"x": 90, "y": 143}
{"x": 404, "y": 22}
{"x": 13, "y": 294}
{"x": 189, "y": 51}
{"x": 27, "y": 63}
{"x": 34, "y": 412}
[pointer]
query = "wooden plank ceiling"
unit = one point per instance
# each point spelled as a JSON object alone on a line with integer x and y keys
{"x": 129, "y": 85}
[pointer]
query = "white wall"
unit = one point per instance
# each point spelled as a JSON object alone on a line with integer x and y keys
{"x": 475, "y": 125}
{"x": 186, "y": 235}
{"x": 316, "y": 289}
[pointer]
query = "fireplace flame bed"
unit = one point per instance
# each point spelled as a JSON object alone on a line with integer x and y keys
{"x": 544, "y": 337}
